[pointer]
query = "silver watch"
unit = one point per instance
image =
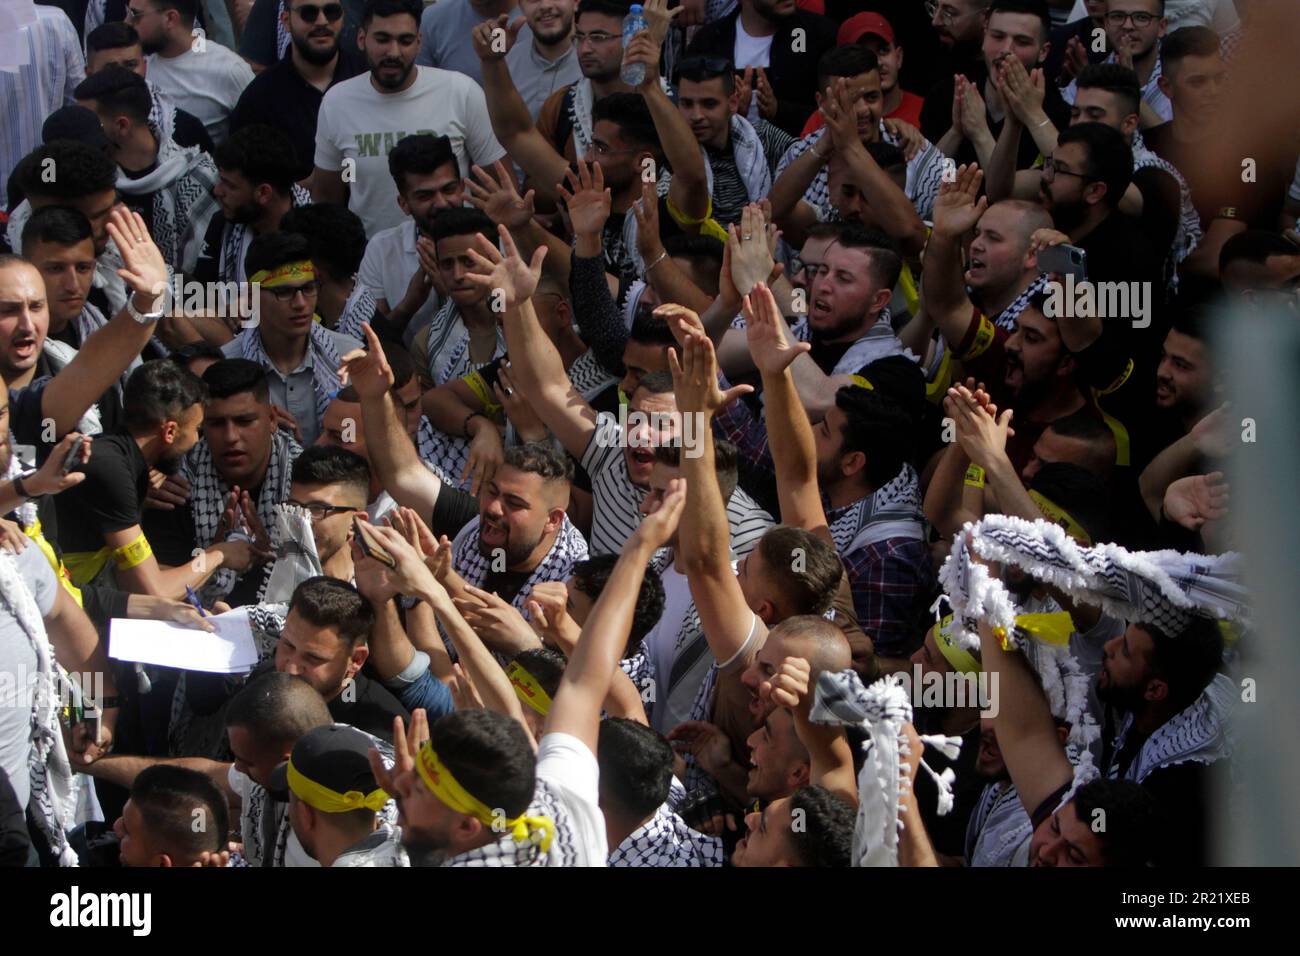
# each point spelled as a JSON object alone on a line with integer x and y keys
{"x": 147, "y": 318}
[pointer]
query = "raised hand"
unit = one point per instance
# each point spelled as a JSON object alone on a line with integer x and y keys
{"x": 406, "y": 749}
{"x": 767, "y": 102}
{"x": 50, "y": 478}
{"x": 659, "y": 18}
{"x": 1024, "y": 92}
{"x": 492, "y": 39}
{"x": 695, "y": 378}
{"x": 788, "y": 687}
{"x": 751, "y": 252}
{"x": 496, "y": 621}
{"x": 981, "y": 436}
{"x": 644, "y": 48}
{"x": 765, "y": 331}
{"x": 145, "y": 270}
{"x": 587, "y": 200}
{"x": 912, "y": 139}
{"x": 463, "y": 692}
{"x": 486, "y": 454}
{"x": 1196, "y": 499}
{"x": 658, "y": 527}
{"x": 706, "y": 742}
{"x": 498, "y": 197}
{"x": 744, "y": 89}
{"x": 368, "y": 371}
{"x": 411, "y": 576}
{"x": 506, "y": 275}
{"x": 959, "y": 205}
{"x": 839, "y": 115}
{"x": 528, "y": 425}
{"x": 681, "y": 321}
{"x": 974, "y": 117}
{"x": 646, "y": 209}
{"x": 548, "y": 613}
{"x": 1076, "y": 58}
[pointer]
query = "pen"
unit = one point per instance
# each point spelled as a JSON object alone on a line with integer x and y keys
{"x": 194, "y": 599}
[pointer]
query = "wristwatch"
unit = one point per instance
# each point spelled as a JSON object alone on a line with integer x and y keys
{"x": 163, "y": 302}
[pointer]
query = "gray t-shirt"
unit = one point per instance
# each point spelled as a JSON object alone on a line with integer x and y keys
{"x": 444, "y": 37}
{"x": 18, "y": 671}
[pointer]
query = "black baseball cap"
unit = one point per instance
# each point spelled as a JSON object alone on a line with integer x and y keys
{"x": 329, "y": 770}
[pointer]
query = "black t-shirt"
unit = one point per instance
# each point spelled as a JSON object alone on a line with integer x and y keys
{"x": 506, "y": 584}
{"x": 368, "y": 706}
{"x": 281, "y": 98}
{"x": 110, "y": 499}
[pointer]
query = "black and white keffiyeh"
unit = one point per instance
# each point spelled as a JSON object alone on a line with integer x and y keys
{"x": 180, "y": 185}
{"x": 880, "y": 710}
{"x": 296, "y": 557}
{"x": 666, "y": 841}
{"x": 879, "y": 342}
{"x": 1009, "y": 318}
{"x": 1164, "y": 588}
{"x": 48, "y": 768}
{"x": 569, "y": 548}
{"x": 325, "y": 361}
{"x": 506, "y": 851}
{"x": 1188, "y": 234}
{"x": 357, "y": 312}
{"x": 894, "y": 510}
{"x": 237, "y": 236}
{"x": 1201, "y": 733}
{"x": 208, "y": 494}
{"x": 751, "y": 159}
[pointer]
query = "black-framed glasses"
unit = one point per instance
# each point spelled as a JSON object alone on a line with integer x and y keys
{"x": 319, "y": 510}
{"x": 310, "y": 12}
{"x": 1140, "y": 19}
{"x": 286, "y": 293}
{"x": 1053, "y": 168}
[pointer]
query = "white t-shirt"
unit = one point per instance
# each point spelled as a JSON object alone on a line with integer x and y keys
{"x": 359, "y": 123}
{"x": 387, "y": 267}
{"x": 571, "y": 771}
{"x": 206, "y": 83}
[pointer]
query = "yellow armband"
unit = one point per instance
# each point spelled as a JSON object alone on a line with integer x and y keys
{"x": 975, "y": 476}
{"x": 132, "y": 555}
{"x": 708, "y": 225}
{"x": 984, "y": 336}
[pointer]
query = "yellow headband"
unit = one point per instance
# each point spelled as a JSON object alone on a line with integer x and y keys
{"x": 447, "y": 788}
{"x": 302, "y": 271}
{"x": 1058, "y": 515}
{"x": 1054, "y": 628}
{"x": 959, "y": 658}
{"x": 527, "y": 688}
{"x": 322, "y": 798}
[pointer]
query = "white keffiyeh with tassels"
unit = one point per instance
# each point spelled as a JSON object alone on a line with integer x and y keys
{"x": 751, "y": 159}
{"x": 881, "y": 710}
{"x": 49, "y": 770}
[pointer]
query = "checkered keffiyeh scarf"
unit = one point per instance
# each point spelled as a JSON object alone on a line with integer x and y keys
{"x": 894, "y": 510}
{"x": 1164, "y": 588}
{"x": 282, "y": 37}
{"x": 208, "y": 494}
{"x": 665, "y": 840}
{"x": 357, "y": 312}
{"x": 880, "y": 710}
{"x": 507, "y": 852}
{"x": 235, "y": 239}
{"x": 878, "y": 342}
{"x": 569, "y": 548}
{"x": 162, "y": 111}
{"x": 296, "y": 557}
{"x": 48, "y": 768}
{"x": 180, "y": 185}
{"x": 325, "y": 361}
{"x": 1009, "y": 318}
{"x": 1188, "y": 234}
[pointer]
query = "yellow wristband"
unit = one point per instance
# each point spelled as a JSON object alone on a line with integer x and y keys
{"x": 132, "y": 555}
{"x": 975, "y": 476}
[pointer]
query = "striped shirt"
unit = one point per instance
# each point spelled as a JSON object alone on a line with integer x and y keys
{"x": 729, "y": 193}
{"x": 924, "y": 176}
{"x": 1152, "y": 95}
{"x": 616, "y": 501}
{"x": 43, "y": 83}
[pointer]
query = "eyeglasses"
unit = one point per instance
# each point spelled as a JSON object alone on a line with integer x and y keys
{"x": 133, "y": 15}
{"x": 319, "y": 510}
{"x": 947, "y": 15}
{"x": 1053, "y": 168}
{"x": 309, "y": 12}
{"x": 286, "y": 293}
{"x": 1116, "y": 18}
{"x": 598, "y": 37}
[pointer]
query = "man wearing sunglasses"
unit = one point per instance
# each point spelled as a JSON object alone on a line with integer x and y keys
{"x": 205, "y": 79}
{"x": 1134, "y": 29}
{"x": 287, "y": 94}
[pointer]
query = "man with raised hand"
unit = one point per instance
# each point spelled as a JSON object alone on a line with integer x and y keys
{"x": 470, "y": 789}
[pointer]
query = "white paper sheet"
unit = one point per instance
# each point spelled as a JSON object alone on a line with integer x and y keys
{"x": 227, "y": 650}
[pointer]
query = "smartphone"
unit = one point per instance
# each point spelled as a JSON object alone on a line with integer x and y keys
{"x": 73, "y": 457}
{"x": 1064, "y": 260}
{"x": 370, "y": 548}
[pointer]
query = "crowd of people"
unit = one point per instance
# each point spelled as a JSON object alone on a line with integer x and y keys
{"x": 785, "y": 434}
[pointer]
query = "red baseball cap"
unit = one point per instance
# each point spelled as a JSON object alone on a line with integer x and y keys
{"x": 857, "y": 26}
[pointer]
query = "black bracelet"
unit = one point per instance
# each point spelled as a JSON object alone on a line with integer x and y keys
{"x": 21, "y": 490}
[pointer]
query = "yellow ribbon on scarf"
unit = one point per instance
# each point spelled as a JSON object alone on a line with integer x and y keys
{"x": 527, "y": 689}
{"x": 447, "y": 788}
{"x": 1050, "y": 628}
{"x": 322, "y": 798}
{"x": 1058, "y": 515}
{"x": 301, "y": 271}
{"x": 959, "y": 658}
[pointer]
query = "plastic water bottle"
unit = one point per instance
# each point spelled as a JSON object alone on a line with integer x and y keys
{"x": 632, "y": 73}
